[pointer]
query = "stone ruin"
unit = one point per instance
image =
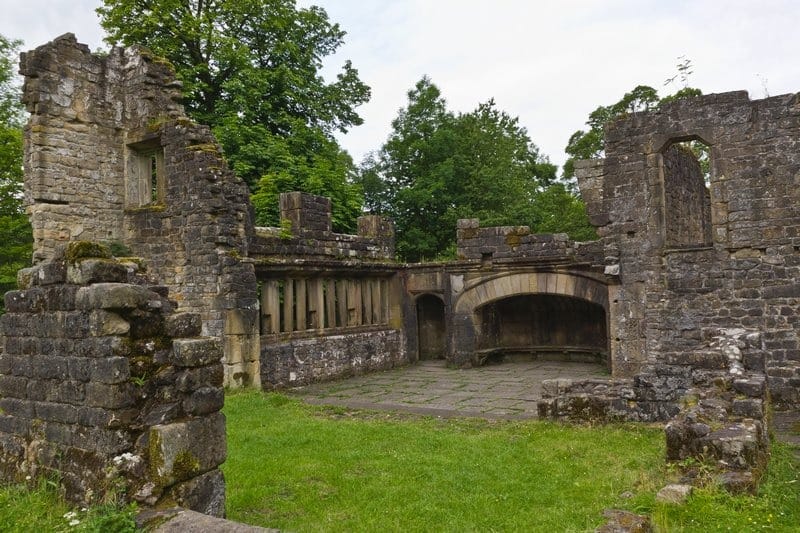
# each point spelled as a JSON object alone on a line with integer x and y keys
{"x": 112, "y": 366}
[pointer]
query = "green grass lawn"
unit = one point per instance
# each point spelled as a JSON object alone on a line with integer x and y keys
{"x": 304, "y": 468}
{"x": 40, "y": 509}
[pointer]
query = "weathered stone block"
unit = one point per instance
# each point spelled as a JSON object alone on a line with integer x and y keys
{"x": 110, "y": 370}
{"x": 204, "y": 493}
{"x": 104, "y": 323}
{"x": 89, "y": 271}
{"x": 191, "y": 379}
{"x": 113, "y": 296}
{"x": 752, "y": 387}
{"x": 204, "y": 401}
{"x": 177, "y": 452}
{"x": 183, "y": 325}
{"x": 113, "y": 396}
{"x": 749, "y": 408}
{"x": 674, "y": 493}
{"x": 619, "y": 521}
{"x": 196, "y": 352}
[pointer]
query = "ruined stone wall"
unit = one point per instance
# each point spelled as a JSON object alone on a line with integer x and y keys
{"x": 518, "y": 243}
{"x": 310, "y": 360}
{"x": 673, "y": 300}
{"x": 104, "y": 386}
{"x": 713, "y": 399}
{"x": 307, "y": 234}
{"x": 111, "y": 157}
{"x": 330, "y": 303}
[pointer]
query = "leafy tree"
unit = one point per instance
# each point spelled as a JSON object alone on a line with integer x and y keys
{"x": 589, "y": 144}
{"x": 15, "y": 230}
{"x": 250, "y": 70}
{"x": 437, "y": 167}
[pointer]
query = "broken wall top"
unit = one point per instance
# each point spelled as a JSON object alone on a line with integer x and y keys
{"x": 84, "y": 109}
{"x": 754, "y": 153}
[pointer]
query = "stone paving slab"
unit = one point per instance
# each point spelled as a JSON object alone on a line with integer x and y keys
{"x": 508, "y": 390}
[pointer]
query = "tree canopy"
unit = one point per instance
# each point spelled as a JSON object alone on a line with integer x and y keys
{"x": 251, "y": 71}
{"x": 438, "y": 166}
{"x": 15, "y": 230}
{"x": 589, "y": 144}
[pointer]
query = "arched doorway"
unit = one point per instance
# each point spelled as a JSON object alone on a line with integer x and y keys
{"x": 430, "y": 327}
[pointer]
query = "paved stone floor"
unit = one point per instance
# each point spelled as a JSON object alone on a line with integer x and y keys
{"x": 507, "y": 390}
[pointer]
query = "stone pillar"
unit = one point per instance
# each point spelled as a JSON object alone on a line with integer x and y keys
{"x": 288, "y": 305}
{"x": 306, "y": 211}
{"x": 300, "y": 305}
{"x": 330, "y": 302}
{"x": 270, "y": 307}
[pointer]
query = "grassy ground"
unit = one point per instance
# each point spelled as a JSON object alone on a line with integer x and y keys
{"x": 303, "y": 468}
{"x": 26, "y": 509}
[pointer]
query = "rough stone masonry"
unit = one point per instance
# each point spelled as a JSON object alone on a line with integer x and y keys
{"x": 689, "y": 296}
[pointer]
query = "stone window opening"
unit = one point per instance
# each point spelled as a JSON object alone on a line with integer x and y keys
{"x": 145, "y": 174}
{"x": 687, "y": 170}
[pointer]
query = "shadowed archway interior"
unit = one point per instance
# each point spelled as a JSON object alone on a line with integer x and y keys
{"x": 543, "y": 325}
{"x": 431, "y": 327}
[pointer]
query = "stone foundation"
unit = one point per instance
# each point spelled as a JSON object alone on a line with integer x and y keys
{"x": 297, "y": 362}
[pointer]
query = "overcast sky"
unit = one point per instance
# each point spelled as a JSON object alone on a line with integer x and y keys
{"x": 550, "y": 63}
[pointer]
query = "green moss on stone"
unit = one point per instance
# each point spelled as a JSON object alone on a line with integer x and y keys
{"x": 78, "y": 250}
{"x": 155, "y": 460}
{"x": 203, "y": 147}
{"x": 513, "y": 240}
{"x": 185, "y": 465}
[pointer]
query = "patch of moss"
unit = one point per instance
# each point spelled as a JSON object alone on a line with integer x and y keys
{"x": 185, "y": 465}
{"x": 155, "y": 124}
{"x": 154, "y": 458}
{"x": 690, "y": 400}
{"x": 158, "y": 60}
{"x": 145, "y": 208}
{"x": 513, "y": 240}
{"x": 78, "y": 250}
{"x": 118, "y": 249}
{"x": 138, "y": 261}
{"x": 203, "y": 147}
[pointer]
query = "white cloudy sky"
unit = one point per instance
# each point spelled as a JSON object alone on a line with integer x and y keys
{"x": 548, "y": 62}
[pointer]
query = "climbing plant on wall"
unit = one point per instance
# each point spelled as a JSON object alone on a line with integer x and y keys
{"x": 250, "y": 70}
{"x": 15, "y": 230}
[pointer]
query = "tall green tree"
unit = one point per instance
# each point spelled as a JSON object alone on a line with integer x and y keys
{"x": 590, "y": 143}
{"x": 15, "y": 230}
{"x": 251, "y": 70}
{"x": 437, "y": 167}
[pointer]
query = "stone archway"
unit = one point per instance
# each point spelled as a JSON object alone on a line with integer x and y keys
{"x": 472, "y": 323}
